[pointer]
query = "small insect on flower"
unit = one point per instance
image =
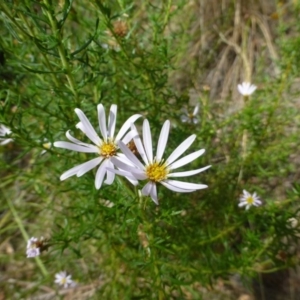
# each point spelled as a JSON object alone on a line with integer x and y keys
{"x": 35, "y": 246}
{"x": 4, "y": 132}
{"x": 63, "y": 279}
{"x": 190, "y": 118}
{"x": 246, "y": 88}
{"x": 249, "y": 200}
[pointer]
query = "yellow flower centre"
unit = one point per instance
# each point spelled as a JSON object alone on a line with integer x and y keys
{"x": 63, "y": 280}
{"x": 157, "y": 172}
{"x": 108, "y": 149}
{"x": 250, "y": 200}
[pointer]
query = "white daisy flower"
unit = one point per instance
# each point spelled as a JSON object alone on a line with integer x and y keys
{"x": 190, "y": 117}
{"x": 156, "y": 169}
{"x": 246, "y": 88}
{"x": 105, "y": 147}
{"x": 4, "y": 131}
{"x": 34, "y": 246}
{"x": 64, "y": 280}
{"x": 248, "y": 200}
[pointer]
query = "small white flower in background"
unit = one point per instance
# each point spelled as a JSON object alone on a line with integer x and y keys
{"x": 292, "y": 222}
{"x": 47, "y": 145}
{"x": 63, "y": 279}
{"x": 246, "y": 88}
{"x": 107, "y": 203}
{"x": 156, "y": 169}
{"x": 249, "y": 200}
{"x": 34, "y": 246}
{"x": 4, "y": 132}
{"x": 105, "y": 147}
{"x": 190, "y": 117}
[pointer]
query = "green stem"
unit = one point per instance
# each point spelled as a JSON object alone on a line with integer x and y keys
{"x": 61, "y": 52}
{"x": 25, "y": 235}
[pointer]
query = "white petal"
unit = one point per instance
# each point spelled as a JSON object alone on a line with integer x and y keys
{"x": 196, "y": 109}
{"x": 181, "y": 149}
{"x": 153, "y": 194}
{"x": 88, "y": 128}
{"x": 73, "y": 140}
{"x": 125, "y": 174}
{"x": 188, "y": 173}
{"x": 195, "y": 120}
{"x": 162, "y": 142}
{"x": 175, "y": 189}
{"x": 89, "y": 165}
{"x": 110, "y": 176}
{"x": 147, "y": 140}
{"x": 139, "y": 145}
{"x": 187, "y": 159}
{"x": 186, "y": 185}
{"x": 138, "y": 174}
{"x": 102, "y": 121}
{"x": 147, "y": 188}
{"x": 71, "y": 172}
{"x": 184, "y": 119}
{"x": 112, "y": 121}
{"x": 100, "y": 175}
{"x": 129, "y": 136}
{"x": 126, "y": 126}
{"x": 78, "y": 148}
{"x": 130, "y": 155}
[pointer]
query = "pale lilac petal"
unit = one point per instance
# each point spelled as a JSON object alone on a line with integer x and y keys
{"x": 153, "y": 194}
{"x": 241, "y": 204}
{"x": 110, "y": 177}
{"x": 184, "y": 119}
{"x": 138, "y": 174}
{"x": 72, "y": 171}
{"x": 74, "y": 140}
{"x": 78, "y": 148}
{"x": 129, "y": 136}
{"x": 147, "y": 188}
{"x": 100, "y": 175}
{"x": 88, "y": 128}
{"x": 102, "y": 121}
{"x": 126, "y": 174}
{"x": 181, "y": 149}
{"x": 89, "y": 165}
{"x": 188, "y": 173}
{"x": 139, "y": 145}
{"x": 126, "y": 126}
{"x": 112, "y": 121}
{"x": 186, "y": 185}
{"x": 130, "y": 155}
{"x": 196, "y": 109}
{"x": 195, "y": 120}
{"x": 147, "y": 140}
{"x": 162, "y": 141}
{"x": 187, "y": 159}
{"x": 175, "y": 188}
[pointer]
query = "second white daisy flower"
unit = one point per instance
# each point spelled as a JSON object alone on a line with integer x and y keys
{"x": 249, "y": 200}
{"x": 156, "y": 169}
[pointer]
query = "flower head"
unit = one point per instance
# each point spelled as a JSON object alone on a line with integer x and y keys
{"x": 246, "y": 88}
{"x": 249, "y": 200}
{"x": 63, "y": 279}
{"x": 190, "y": 117}
{"x": 46, "y": 145}
{"x": 156, "y": 169}
{"x": 105, "y": 147}
{"x": 35, "y": 246}
{"x": 4, "y": 131}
